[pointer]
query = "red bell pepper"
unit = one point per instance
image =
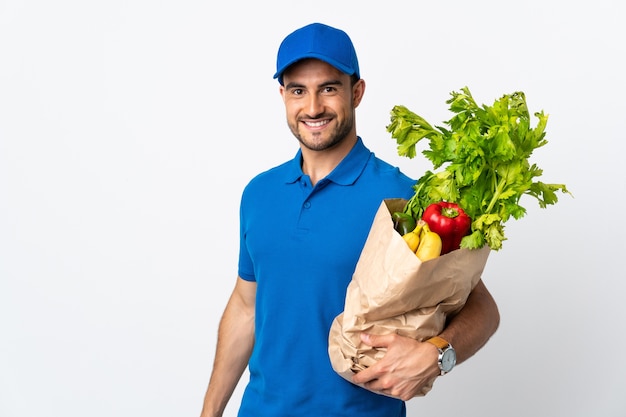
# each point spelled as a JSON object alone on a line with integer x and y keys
{"x": 450, "y": 222}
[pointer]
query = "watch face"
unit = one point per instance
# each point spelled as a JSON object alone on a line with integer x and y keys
{"x": 448, "y": 360}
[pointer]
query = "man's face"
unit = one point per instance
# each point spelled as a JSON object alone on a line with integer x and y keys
{"x": 320, "y": 103}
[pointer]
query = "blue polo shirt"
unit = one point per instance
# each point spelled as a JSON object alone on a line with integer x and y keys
{"x": 301, "y": 245}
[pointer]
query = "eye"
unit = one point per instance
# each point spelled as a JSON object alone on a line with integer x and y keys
{"x": 297, "y": 91}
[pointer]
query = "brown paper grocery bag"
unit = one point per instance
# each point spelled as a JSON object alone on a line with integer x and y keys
{"x": 393, "y": 291}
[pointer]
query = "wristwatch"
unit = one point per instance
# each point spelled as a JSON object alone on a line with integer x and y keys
{"x": 447, "y": 354}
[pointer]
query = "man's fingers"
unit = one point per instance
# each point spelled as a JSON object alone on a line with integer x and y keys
{"x": 377, "y": 341}
{"x": 366, "y": 376}
{"x": 371, "y": 374}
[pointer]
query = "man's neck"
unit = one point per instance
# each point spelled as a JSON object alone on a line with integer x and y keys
{"x": 318, "y": 164}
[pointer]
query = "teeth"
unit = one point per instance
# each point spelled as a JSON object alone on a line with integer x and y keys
{"x": 317, "y": 124}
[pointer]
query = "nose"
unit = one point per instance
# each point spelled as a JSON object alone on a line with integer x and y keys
{"x": 315, "y": 105}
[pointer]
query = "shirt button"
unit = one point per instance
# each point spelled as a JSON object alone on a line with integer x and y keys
{"x": 307, "y": 204}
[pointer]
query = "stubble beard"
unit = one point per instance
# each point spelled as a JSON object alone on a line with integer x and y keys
{"x": 336, "y": 136}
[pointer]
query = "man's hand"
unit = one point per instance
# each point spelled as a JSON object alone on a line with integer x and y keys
{"x": 407, "y": 370}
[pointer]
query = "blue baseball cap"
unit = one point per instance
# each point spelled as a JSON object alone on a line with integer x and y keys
{"x": 321, "y": 42}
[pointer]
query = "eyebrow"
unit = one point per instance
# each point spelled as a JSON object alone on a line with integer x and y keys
{"x": 322, "y": 85}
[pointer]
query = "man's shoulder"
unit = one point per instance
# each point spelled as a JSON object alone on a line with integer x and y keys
{"x": 278, "y": 170}
{"x": 385, "y": 169}
{"x": 270, "y": 177}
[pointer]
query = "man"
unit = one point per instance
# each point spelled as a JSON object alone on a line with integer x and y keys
{"x": 303, "y": 225}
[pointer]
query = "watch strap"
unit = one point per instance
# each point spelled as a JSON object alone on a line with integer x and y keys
{"x": 439, "y": 342}
{"x": 444, "y": 348}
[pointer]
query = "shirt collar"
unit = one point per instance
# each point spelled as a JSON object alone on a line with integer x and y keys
{"x": 346, "y": 173}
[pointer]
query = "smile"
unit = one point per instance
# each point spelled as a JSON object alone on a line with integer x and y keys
{"x": 317, "y": 124}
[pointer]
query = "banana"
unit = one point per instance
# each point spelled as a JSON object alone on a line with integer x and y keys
{"x": 430, "y": 244}
{"x": 412, "y": 238}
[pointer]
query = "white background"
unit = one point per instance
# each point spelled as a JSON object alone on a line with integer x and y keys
{"x": 128, "y": 129}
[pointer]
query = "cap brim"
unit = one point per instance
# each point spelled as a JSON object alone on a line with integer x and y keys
{"x": 334, "y": 63}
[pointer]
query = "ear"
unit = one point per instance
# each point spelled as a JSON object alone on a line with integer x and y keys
{"x": 357, "y": 92}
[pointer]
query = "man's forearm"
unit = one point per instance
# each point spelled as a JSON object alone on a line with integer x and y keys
{"x": 234, "y": 346}
{"x": 472, "y": 327}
